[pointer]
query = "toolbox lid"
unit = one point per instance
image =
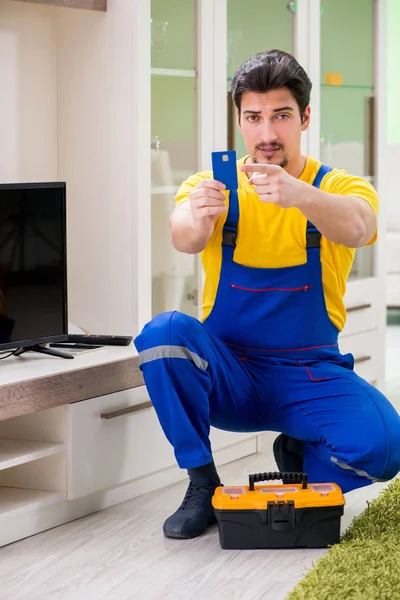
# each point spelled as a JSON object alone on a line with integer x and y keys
{"x": 316, "y": 495}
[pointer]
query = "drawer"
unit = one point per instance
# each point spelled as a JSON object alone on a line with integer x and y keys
{"x": 114, "y": 439}
{"x": 361, "y": 302}
{"x": 364, "y": 347}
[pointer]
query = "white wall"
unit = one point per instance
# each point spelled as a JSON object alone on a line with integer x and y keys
{"x": 28, "y": 92}
{"x": 95, "y": 150}
{"x": 66, "y": 113}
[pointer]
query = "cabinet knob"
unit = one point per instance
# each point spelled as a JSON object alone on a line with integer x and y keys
{"x": 156, "y": 143}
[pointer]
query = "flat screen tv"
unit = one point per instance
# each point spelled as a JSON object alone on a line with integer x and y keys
{"x": 33, "y": 266}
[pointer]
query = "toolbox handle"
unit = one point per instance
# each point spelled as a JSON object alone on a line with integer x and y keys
{"x": 295, "y": 477}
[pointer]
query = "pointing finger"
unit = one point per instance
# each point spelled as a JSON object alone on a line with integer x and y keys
{"x": 259, "y": 168}
{"x": 258, "y": 179}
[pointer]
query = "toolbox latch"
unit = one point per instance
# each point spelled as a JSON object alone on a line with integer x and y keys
{"x": 281, "y": 515}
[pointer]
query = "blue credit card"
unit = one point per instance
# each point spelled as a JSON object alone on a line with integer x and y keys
{"x": 225, "y": 168}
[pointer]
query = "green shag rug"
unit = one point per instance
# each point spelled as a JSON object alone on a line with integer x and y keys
{"x": 365, "y": 565}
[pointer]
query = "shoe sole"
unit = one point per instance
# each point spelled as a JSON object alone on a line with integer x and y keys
{"x": 182, "y": 536}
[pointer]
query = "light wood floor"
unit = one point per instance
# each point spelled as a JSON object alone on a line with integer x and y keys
{"x": 121, "y": 554}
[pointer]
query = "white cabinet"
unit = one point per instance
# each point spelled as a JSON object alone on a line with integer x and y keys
{"x": 362, "y": 345}
{"x": 113, "y": 439}
{"x": 117, "y": 438}
{"x": 174, "y": 147}
{"x": 393, "y": 229}
{"x": 32, "y": 463}
{"x": 352, "y": 136}
{"x": 138, "y": 100}
{"x": 96, "y": 76}
{"x": 180, "y": 84}
{"x": 59, "y": 464}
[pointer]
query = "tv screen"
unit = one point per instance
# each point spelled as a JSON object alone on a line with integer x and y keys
{"x": 33, "y": 270}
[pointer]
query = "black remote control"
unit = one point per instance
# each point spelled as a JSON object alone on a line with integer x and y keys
{"x": 100, "y": 340}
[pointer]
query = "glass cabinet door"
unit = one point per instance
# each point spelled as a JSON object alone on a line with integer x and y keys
{"x": 347, "y": 97}
{"x": 173, "y": 148}
{"x": 262, "y": 25}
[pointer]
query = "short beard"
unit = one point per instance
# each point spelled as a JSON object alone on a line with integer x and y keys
{"x": 284, "y": 162}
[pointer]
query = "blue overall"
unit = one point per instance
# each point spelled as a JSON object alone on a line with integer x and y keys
{"x": 267, "y": 358}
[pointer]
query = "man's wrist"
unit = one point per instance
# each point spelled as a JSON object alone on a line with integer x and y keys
{"x": 305, "y": 198}
{"x": 203, "y": 228}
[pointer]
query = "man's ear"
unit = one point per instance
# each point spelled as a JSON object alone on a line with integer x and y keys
{"x": 306, "y": 119}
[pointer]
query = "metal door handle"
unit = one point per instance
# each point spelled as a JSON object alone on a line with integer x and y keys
{"x": 129, "y": 410}
{"x": 361, "y": 359}
{"x": 155, "y": 145}
{"x": 359, "y": 307}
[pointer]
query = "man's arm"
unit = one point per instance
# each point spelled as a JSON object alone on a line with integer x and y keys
{"x": 343, "y": 219}
{"x": 192, "y": 222}
{"x": 184, "y": 235}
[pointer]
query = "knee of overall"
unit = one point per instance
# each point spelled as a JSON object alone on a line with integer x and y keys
{"x": 392, "y": 467}
{"x": 167, "y": 329}
{"x": 381, "y": 451}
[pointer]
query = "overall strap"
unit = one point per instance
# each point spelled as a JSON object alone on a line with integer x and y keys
{"x": 229, "y": 233}
{"x": 323, "y": 170}
{"x": 313, "y": 236}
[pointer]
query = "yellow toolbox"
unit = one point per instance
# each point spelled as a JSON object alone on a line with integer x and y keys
{"x": 290, "y": 515}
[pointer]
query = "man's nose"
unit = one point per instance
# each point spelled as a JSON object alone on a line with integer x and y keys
{"x": 268, "y": 132}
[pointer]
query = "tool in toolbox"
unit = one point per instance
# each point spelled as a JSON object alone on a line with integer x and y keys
{"x": 291, "y": 515}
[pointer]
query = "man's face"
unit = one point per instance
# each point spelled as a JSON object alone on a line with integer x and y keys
{"x": 271, "y": 126}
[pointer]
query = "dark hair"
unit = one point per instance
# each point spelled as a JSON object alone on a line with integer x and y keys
{"x": 272, "y": 70}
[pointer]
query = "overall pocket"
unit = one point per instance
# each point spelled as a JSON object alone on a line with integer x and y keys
{"x": 302, "y": 288}
{"x": 328, "y": 369}
{"x": 272, "y": 317}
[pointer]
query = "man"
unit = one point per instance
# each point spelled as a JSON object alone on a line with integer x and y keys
{"x": 276, "y": 257}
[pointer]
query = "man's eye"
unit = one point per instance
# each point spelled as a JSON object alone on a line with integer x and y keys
{"x": 282, "y": 116}
{"x": 253, "y": 118}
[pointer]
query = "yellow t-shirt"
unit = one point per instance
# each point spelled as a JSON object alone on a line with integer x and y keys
{"x": 272, "y": 237}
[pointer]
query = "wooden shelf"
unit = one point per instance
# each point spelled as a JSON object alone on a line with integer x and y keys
{"x": 31, "y": 383}
{"x": 85, "y": 4}
{"x": 14, "y": 501}
{"x": 19, "y": 452}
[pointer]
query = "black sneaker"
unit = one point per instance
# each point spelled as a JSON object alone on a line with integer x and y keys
{"x": 289, "y": 454}
{"x": 195, "y": 514}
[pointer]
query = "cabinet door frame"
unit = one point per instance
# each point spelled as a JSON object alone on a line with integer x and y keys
{"x": 381, "y": 144}
{"x": 141, "y": 139}
{"x": 378, "y": 278}
{"x": 211, "y": 128}
{"x": 212, "y": 122}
